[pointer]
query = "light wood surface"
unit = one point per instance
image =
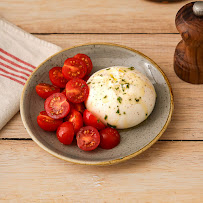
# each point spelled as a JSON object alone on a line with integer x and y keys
{"x": 170, "y": 171}
{"x": 101, "y": 16}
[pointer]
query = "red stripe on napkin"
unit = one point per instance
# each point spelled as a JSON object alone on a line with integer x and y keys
{"x": 14, "y": 68}
{"x": 15, "y": 64}
{"x": 17, "y": 59}
{"x": 11, "y": 78}
{"x": 17, "y": 76}
{"x": 6, "y": 66}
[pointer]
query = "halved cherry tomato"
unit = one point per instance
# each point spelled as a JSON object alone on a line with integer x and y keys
{"x": 86, "y": 78}
{"x": 57, "y": 106}
{"x": 65, "y": 133}
{"x": 88, "y": 138}
{"x": 78, "y": 106}
{"x": 63, "y": 91}
{"x": 74, "y": 68}
{"x": 47, "y": 123}
{"x": 87, "y": 60}
{"x": 75, "y": 117}
{"x": 110, "y": 138}
{"x": 57, "y": 78}
{"x": 77, "y": 91}
{"x": 90, "y": 119}
{"x": 45, "y": 90}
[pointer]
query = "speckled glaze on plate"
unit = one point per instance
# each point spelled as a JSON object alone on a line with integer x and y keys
{"x": 133, "y": 140}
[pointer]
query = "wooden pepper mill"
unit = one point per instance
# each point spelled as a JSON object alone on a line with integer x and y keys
{"x": 188, "y": 58}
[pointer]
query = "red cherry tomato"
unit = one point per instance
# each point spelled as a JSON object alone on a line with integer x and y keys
{"x": 63, "y": 92}
{"x": 65, "y": 133}
{"x": 56, "y": 77}
{"x": 87, "y": 60}
{"x": 78, "y": 107}
{"x": 110, "y": 138}
{"x": 90, "y": 119}
{"x": 88, "y": 138}
{"x": 75, "y": 117}
{"x": 77, "y": 91}
{"x": 45, "y": 90}
{"x": 86, "y": 78}
{"x": 47, "y": 123}
{"x": 74, "y": 68}
{"x": 57, "y": 106}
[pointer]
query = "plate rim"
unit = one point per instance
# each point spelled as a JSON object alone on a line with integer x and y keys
{"x": 110, "y": 162}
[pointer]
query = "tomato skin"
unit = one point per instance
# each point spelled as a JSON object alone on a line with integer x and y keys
{"x": 77, "y": 90}
{"x": 56, "y": 77}
{"x": 64, "y": 92}
{"x": 88, "y": 138}
{"x": 57, "y": 106}
{"x": 90, "y": 119}
{"x": 74, "y": 68}
{"x": 87, "y": 60}
{"x": 65, "y": 133}
{"x": 78, "y": 107}
{"x": 86, "y": 78}
{"x": 45, "y": 90}
{"x": 47, "y": 123}
{"x": 110, "y": 138}
{"x": 75, "y": 117}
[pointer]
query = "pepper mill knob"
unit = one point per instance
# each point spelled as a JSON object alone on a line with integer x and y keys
{"x": 188, "y": 57}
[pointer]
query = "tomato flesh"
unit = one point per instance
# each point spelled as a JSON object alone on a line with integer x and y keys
{"x": 90, "y": 119}
{"x": 74, "y": 68}
{"x": 110, "y": 138}
{"x": 47, "y": 123}
{"x": 87, "y": 61}
{"x": 77, "y": 90}
{"x": 88, "y": 138}
{"x": 57, "y": 78}
{"x": 65, "y": 133}
{"x": 57, "y": 106}
{"x": 75, "y": 117}
{"x": 45, "y": 90}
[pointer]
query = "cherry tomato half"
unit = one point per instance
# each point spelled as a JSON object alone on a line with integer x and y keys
{"x": 110, "y": 138}
{"x": 87, "y": 60}
{"x": 77, "y": 91}
{"x": 57, "y": 106}
{"x": 86, "y": 78}
{"x": 47, "y": 123}
{"x": 45, "y": 90}
{"x": 74, "y": 68}
{"x": 78, "y": 107}
{"x": 88, "y": 138}
{"x": 56, "y": 77}
{"x": 63, "y": 91}
{"x": 65, "y": 133}
{"x": 90, "y": 119}
{"x": 75, "y": 117}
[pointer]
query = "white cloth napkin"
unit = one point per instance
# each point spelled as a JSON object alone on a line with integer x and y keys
{"x": 20, "y": 54}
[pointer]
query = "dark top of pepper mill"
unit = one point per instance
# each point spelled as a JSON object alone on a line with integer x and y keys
{"x": 187, "y": 20}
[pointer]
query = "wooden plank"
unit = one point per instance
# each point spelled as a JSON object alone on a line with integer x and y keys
{"x": 100, "y": 16}
{"x": 167, "y": 172}
{"x": 188, "y": 114}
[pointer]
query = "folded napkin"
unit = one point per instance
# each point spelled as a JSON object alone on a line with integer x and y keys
{"x": 20, "y": 54}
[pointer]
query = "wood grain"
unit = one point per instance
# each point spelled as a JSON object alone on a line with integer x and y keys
{"x": 102, "y": 16}
{"x": 167, "y": 172}
{"x": 188, "y": 114}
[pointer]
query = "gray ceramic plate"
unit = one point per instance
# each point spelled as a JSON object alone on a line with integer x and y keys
{"x": 134, "y": 140}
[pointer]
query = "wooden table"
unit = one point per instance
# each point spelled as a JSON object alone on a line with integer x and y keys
{"x": 170, "y": 171}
